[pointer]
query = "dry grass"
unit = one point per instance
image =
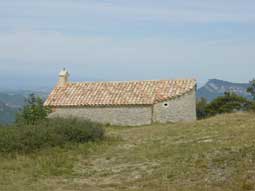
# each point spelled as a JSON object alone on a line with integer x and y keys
{"x": 217, "y": 154}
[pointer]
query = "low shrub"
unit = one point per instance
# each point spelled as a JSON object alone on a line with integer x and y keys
{"x": 252, "y": 108}
{"x": 50, "y": 133}
{"x": 201, "y": 108}
{"x": 228, "y": 103}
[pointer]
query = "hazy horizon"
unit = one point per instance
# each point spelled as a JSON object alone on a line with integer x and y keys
{"x": 125, "y": 40}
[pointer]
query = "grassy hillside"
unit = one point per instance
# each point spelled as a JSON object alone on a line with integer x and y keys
{"x": 214, "y": 154}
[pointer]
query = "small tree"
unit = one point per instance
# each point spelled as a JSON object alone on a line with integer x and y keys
{"x": 33, "y": 111}
{"x": 201, "y": 108}
{"x": 228, "y": 103}
{"x": 251, "y": 89}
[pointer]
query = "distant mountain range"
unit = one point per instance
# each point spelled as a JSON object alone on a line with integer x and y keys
{"x": 7, "y": 114}
{"x": 215, "y": 88}
{"x": 12, "y": 101}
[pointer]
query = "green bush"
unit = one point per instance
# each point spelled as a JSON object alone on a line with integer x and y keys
{"x": 201, "y": 108}
{"x": 50, "y": 133}
{"x": 228, "y": 103}
{"x": 251, "y": 89}
{"x": 253, "y": 107}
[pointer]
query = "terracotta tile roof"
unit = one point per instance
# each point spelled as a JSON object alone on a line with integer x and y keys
{"x": 117, "y": 93}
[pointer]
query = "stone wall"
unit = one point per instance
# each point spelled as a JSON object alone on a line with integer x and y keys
{"x": 182, "y": 108}
{"x": 126, "y": 116}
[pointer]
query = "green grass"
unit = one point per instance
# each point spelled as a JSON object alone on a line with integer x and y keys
{"x": 216, "y": 154}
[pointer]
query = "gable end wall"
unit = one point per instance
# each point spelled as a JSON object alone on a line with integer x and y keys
{"x": 181, "y": 108}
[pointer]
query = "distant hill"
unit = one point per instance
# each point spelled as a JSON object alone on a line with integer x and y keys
{"x": 7, "y": 114}
{"x": 214, "y": 88}
{"x": 13, "y": 101}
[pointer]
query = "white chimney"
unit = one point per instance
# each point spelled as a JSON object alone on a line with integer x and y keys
{"x": 63, "y": 77}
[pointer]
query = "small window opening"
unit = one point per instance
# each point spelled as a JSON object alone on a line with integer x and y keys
{"x": 165, "y": 104}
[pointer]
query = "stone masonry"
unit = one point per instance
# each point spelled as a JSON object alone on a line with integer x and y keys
{"x": 128, "y": 115}
{"x": 129, "y": 103}
{"x": 182, "y": 108}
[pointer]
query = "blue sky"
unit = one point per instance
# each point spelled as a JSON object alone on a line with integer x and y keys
{"x": 126, "y": 40}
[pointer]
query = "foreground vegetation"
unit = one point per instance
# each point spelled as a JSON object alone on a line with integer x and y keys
{"x": 27, "y": 138}
{"x": 213, "y": 154}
